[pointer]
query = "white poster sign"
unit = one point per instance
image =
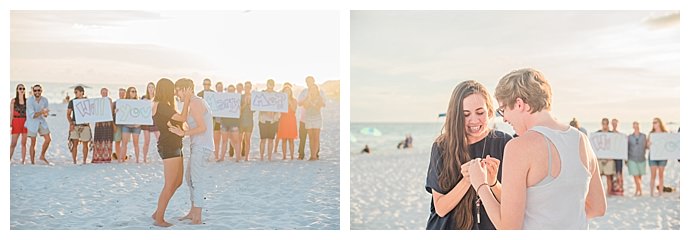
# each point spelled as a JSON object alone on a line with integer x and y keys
{"x": 609, "y": 145}
{"x": 90, "y": 110}
{"x": 224, "y": 104}
{"x": 269, "y": 102}
{"x": 664, "y": 146}
{"x": 133, "y": 112}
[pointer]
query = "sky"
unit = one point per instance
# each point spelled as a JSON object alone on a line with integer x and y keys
{"x": 615, "y": 64}
{"x": 138, "y": 47}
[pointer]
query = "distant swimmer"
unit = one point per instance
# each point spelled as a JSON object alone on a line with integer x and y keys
{"x": 366, "y": 149}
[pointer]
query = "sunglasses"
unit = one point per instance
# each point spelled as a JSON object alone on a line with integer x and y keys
{"x": 37, "y": 90}
{"x": 21, "y": 88}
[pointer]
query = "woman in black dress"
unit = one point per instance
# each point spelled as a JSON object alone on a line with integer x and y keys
{"x": 466, "y": 135}
{"x": 169, "y": 144}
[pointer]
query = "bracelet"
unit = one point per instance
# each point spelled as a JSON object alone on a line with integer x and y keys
{"x": 480, "y": 186}
{"x": 493, "y": 185}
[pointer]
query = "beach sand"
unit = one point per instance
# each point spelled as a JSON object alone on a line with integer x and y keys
{"x": 247, "y": 195}
{"x": 387, "y": 192}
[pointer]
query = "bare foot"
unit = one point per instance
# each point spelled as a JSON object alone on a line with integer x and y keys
{"x": 162, "y": 224}
{"x": 188, "y": 216}
{"x": 196, "y": 215}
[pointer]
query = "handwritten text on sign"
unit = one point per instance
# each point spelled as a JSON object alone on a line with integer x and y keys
{"x": 269, "y": 102}
{"x": 133, "y": 112}
{"x": 609, "y": 145}
{"x": 224, "y": 104}
{"x": 664, "y": 146}
{"x": 92, "y": 110}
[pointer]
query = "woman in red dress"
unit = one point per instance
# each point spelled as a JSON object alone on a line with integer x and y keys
{"x": 17, "y": 120}
{"x": 287, "y": 127}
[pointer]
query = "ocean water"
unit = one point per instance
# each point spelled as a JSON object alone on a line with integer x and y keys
{"x": 424, "y": 134}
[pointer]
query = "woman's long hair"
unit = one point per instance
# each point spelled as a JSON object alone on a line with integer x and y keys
{"x": 662, "y": 127}
{"x": 148, "y": 95}
{"x": 16, "y": 94}
{"x": 454, "y": 144}
{"x": 165, "y": 92}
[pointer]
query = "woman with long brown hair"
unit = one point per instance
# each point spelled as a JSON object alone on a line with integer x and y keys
{"x": 148, "y": 129}
{"x": 466, "y": 135}
{"x": 17, "y": 120}
{"x": 656, "y": 166}
{"x": 130, "y": 130}
{"x": 169, "y": 144}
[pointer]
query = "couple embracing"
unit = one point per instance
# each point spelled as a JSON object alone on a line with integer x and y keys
{"x": 480, "y": 178}
{"x": 196, "y": 113}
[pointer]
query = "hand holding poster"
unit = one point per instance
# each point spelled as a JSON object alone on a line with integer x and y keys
{"x": 90, "y": 110}
{"x": 224, "y": 104}
{"x": 133, "y": 112}
{"x": 607, "y": 145}
{"x": 269, "y": 102}
{"x": 664, "y": 146}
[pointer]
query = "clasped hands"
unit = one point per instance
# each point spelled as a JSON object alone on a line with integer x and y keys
{"x": 480, "y": 171}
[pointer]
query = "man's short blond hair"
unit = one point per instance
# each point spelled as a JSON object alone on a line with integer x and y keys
{"x": 527, "y": 84}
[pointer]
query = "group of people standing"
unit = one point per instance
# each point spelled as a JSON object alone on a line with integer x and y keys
{"x": 231, "y": 136}
{"x": 482, "y": 178}
{"x": 638, "y": 156}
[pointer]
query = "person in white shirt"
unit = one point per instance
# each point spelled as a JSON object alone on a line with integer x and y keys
{"x": 36, "y": 124}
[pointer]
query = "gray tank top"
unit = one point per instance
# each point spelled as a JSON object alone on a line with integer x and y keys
{"x": 559, "y": 202}
{"x": 205, "y": 139}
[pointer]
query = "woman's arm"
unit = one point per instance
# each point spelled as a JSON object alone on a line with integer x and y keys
{"x": 12, "y": 111}
{"x": 510, "y": 212}
{"x": 595, "y": 202}
{"x": 444, "y": 203}
{"x": 185, "y": 108}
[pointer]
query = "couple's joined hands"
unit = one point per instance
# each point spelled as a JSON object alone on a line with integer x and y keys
{"x": 481, "y": 171}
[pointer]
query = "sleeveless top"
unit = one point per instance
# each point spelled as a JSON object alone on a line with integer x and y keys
{"x": 19, "y": 109}
{"x": 205, "y": 139}
{"x": 559, "y": 202}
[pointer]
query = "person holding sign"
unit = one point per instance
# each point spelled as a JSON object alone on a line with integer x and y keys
{"x": 216, "y": 125}
{"x": 268, "y": 126}
{"x": 637, "y": 145}
{"x": 201, "y": 136}
{"x": 18, "y": 119}
{"x": 240, "y": 91}
{"x": 246, "y": 120}
{"x": 287, "y": 128}
{"x": 169, "y": 144}
{"x": 618, "y": 180}
{"x": 103, "y": 137}
{"x": 550, "y": 173}
{"x": 117, "y": 130}
{"x": 78, "y": 132}
{"x": 230, "y": 130}
{"x": 656, "y": 166}
{"x": 131, "y": 130}
{"x": 607, "y": 166}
